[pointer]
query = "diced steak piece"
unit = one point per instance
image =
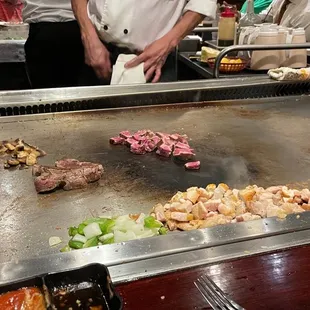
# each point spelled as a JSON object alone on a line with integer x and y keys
{"x": 174, "y": 137}
{"x": 164, "y": 150}
{"x": 142, "y": 132}
{"x": 130, "y": 141}
{"x": 125, "y": 134}
{"x": 183, "y": 154}
{"x": 137, "y": 148}
{"x": 150, "y": 145}
{"x": 138, "y": 137}
{"x": 117, "y": 140}
{"x": 193, "y": 165}
{"x": 168, "y": 141}
{"x": 181, "y": 145}
{"x": 162, "y": 135}
{"x": 68, "y": 174}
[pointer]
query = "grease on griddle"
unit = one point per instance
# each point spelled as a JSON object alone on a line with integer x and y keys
{"x": 82, "y": 296}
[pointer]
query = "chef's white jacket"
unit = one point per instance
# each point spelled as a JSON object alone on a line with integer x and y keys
{"x": 137, "y": 23}
{"x": 36, "y": 11}
{"x": 297, "y": 14}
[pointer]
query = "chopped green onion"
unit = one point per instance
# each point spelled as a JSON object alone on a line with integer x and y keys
{"x": 106, "y": 226}
{"x": 92, "y": 230}
{"x": 75, "y": 244}
{"x": 66, "y": 249}
{"x": 81, "y": 229}
{"x": 91, "y": 242}
{"x": 72, "y": 231}
{"x": 163, "y": 231}
{"x": 79, "y": 238}
{"x": 151, "y": 222}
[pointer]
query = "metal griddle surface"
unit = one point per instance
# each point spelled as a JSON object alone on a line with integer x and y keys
{"x": 264, "y": 143}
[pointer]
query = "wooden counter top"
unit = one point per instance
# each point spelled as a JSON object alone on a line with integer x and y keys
{"x": 271, "y": 281}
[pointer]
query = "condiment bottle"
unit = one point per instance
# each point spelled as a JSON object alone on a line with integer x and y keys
{"x": 227, "y": 28}
{"x": 250, "y": 18}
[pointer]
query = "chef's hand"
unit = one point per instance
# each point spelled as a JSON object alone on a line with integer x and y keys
{"x": 154, "y": 57}
{"x": 98, "y": 57}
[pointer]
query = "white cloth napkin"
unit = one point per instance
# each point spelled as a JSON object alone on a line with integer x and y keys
{"x": 120, "y": 75}
{"x": 289, "y": 74}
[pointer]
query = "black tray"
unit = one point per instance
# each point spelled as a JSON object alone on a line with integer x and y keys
{"x": 76, "y": 289}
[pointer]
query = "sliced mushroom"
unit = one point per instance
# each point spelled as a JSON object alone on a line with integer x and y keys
{"x": 9, "y": 146}
{"x": 3, "y": 149}
{"x": 31, "y": 159}
{"x": 13, "y": 162}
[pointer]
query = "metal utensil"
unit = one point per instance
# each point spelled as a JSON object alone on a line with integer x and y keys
{"x": 215, "y": 297}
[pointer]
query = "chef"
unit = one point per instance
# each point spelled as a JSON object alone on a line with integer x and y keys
{"x": 54, "y": 50}
{"x": 151, "y": 29}
{"x": 290, "y": 13}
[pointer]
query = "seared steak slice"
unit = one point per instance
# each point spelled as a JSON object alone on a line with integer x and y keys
{"x": 68, "y": 174}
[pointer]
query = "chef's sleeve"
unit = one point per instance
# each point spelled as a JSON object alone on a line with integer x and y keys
{"x": 204, "y": 7}
{"x": 267, "y": 14}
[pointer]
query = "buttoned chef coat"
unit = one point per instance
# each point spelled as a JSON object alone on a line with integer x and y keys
{"x": 137, "y": 23}
{"x": 297, "y": 14}
{"x": 36, "y": 11}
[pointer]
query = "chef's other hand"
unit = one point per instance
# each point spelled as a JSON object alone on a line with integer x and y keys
{"x": 154, "y": 57}
{"x": 98, "y": 57}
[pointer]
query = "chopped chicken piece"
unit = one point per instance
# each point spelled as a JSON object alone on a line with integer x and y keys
{"x": 247, "y": 195}
{"x": 192, "y": 195}
{"x": 167, "y": 206}
{"x": 296, "y": 199}
{"x": 199, "y": 211}
{"x": 306, "y": 207}
{"x": 167, "y": 215}
{"x": 240, "y": 208}
{"x": 213, "y": 204}
{"x": 247, "y": 217}
{"x": 211, "y": 213}
{"x": 172, "y": 225}
{"x": 258, "y": 208}
{"x": 160, "y": 213}
{"x": 189, "y": 226}
{"x": 184, "y": 207}
{"x": 273, "y": 210}
{"x": 211, "y": 187}
{"x": 177, "y": 197}
{"x": 215, "y": 220}
{"x": 227, "y": 209}
{"x": 305, "y": 195}
{"x": 204, "y": 193}
{"x": 288, "y": 193}
{"x": 290, "y": 208}
{"x": 274, "y": 189}
{"x": 181, "y": 217}
{"x": 220, "y": 191}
